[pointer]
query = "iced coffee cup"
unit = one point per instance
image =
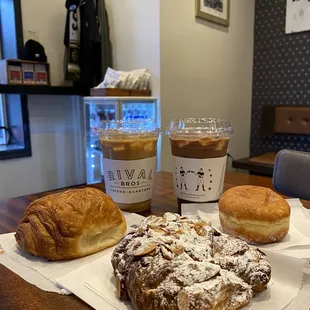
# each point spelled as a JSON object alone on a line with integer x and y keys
{"x": 199, "y": 151}
{"x": 129, "y": 151}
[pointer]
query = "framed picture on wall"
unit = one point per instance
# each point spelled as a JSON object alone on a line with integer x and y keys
{"x": 297, "y": 16}
{"x": 216, "y": 11}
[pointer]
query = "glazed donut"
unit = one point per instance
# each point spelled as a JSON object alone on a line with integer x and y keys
{"x": 254, "y": 214}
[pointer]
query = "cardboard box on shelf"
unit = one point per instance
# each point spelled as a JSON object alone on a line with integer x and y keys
{"x": 41, "y": 74}
{"x": 10, "y": 72}
{"x": 28, "y": 73}
{"x": 14, "y": 75}
{"x": 17, "y": 72}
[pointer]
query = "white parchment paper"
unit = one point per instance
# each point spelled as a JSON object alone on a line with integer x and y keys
{"x": 39, "y": 271}
{"x": 287, "y": 276}
{"x": 92, "y": 279}
{"x": 298, "y": 237}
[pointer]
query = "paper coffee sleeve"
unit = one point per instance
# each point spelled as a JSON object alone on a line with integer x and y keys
{"x": 129, "y": 181}
{"x": 199, "y": 180}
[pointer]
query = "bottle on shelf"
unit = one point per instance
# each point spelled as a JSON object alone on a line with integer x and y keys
{"x": 130, "y": 112}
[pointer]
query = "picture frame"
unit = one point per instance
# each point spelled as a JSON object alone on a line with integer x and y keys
{"x": 217, "y": 11}
{"x": 297, "y": 16}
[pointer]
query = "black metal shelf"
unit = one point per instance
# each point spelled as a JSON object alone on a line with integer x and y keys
{"x": 43, "y": 90}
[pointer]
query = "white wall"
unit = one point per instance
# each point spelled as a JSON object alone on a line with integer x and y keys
{"x": 199, "y": 69}
{"x": 58, "y": 157}
{"x": 56, "y": 122}
{"x": 135, "y": 36}
{"x": 47, "y": 19}
{"x": 206, "y": 70}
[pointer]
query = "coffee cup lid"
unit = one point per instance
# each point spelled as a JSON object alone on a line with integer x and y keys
{"x": 199, "y": 127}
{"x": 137, "y": 127}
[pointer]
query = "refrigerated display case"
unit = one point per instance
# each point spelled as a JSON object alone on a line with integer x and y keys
{"x": 111, "y": 108}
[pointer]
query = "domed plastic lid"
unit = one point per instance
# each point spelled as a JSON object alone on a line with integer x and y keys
{"x": 128, "y": 128}
{"x": 199, "y": 127}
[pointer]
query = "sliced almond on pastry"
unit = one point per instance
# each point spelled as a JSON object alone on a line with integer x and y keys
{"x": 183, "y": 301}
{"x": 155, "y": 221}
{"x": 171, "y": 217}
{"x": 145, "y": 249}
{"x": 118, "y": 287}
{"x": 166, "y": 253}
{"x": 159, "y": 230}
{"x": 200, "y": 230}
{"x": 177, "y": 248}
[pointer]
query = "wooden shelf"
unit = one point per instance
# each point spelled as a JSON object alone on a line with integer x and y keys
{"x": 265, "y": 169}
{"x": 119, "y": 92}
{"x": 43, "y": 90}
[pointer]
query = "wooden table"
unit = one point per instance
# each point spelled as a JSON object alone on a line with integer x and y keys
{"x": 16, "y": 294}
{"x": 260, "y": 165}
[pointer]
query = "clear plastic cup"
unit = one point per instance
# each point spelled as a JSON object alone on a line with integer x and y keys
{"x": 129, "y": 151}
{"x": 199, "y": 149}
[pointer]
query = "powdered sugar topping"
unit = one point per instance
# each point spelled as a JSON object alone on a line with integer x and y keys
{"x": 187, "y": 262}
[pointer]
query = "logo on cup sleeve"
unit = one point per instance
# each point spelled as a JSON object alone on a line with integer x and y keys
{"x": 199, "y": 175}
{"x": 131, "y": 177}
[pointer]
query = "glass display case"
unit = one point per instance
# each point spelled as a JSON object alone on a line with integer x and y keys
{"x": 109, "y": 108}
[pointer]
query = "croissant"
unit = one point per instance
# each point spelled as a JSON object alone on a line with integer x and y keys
{"x": 70, "y": 224}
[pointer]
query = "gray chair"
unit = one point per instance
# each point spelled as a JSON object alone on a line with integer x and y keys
{"x": 291, "y": 175}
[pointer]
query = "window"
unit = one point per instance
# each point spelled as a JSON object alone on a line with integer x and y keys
{"x": 14, "y": 119}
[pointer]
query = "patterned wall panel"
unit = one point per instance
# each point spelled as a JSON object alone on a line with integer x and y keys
{"x": 281, "y": 74}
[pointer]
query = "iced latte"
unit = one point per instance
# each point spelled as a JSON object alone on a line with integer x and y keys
{"x": 129, "y": 161}
{"x": 199, "y": 150}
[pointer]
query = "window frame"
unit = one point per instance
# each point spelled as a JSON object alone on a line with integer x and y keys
{"x": 3, "y": 118}
{"x": 26, "y": 151}
{"x": 3, "y": 122}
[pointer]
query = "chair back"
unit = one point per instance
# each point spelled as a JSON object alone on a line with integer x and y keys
{"x": 291, "y": 175}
